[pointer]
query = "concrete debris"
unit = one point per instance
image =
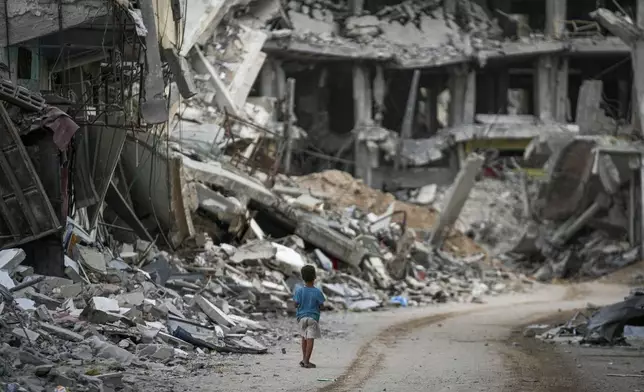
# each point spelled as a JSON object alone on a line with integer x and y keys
{"x": 11, "y": 259}
{"x": 190, "y": 244}
{"x": 617, "y": 324}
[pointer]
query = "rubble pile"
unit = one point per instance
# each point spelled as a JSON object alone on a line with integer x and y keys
{"x": 619, "y": 323}
{"x": 340, "y": 189}
{"x": 135, "y": 304}
{"x": 494, "y": 214}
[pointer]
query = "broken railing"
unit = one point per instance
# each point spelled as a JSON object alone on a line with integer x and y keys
{"x": 265, "y": 151}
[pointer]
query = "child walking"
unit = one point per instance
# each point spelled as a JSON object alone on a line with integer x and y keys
{"x": 308, "y": 300}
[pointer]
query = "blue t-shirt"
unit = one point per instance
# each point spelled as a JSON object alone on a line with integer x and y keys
{"x": 308, "y": 300}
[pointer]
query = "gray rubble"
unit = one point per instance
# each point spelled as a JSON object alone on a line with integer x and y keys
{"x": 621, "y": 323}
{"x": 222, "y": 297}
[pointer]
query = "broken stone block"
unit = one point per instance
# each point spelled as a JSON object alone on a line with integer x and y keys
{"x": 101, "y": 310}
{"x": 31, "y": 358}
{"x": 23, "y": 271}
{"x": 43, "y": 314}
{"x": 223, "y": 305}
{"x": 11, "y": 258}
{"x": 134, "y": 298}
{"x": 110, "y": 351}
{"x": 362, "y": 305}
{"x": 112, "y": 380}
{"x": 287, "y": 260}
{"x": 308, "y": 202}
{"x": 93, "y": 259}
{"x": 70, "y": 291}
{"x": 260, "y": 250}
{"x": 72, "y": 269}
{"x": 25, "y": 304}
{"x": 26, "y": 333}
{"x": 43, "y": 370}
{"x": 61, "y": 332}
{"x": 159, "y": 270}
{"x": 248, "y": 323}
{"x": 155, "y": 351}
{"x": 41, "y": 299}
{"x": 6, "y": 280}
{"x": 214, "y": 313}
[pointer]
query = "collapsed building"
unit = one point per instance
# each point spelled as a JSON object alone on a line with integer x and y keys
{"x": 156, "y": 171}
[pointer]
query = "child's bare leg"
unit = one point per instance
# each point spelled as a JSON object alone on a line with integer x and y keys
{"x": 304, "y": 349}
{"x": 309, "y": 350}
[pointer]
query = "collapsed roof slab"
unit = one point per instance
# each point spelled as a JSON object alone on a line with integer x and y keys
{"x": 598, "y": 46}
{"x": 466, "y": 133}
{"x": 504, "y": 51}
{"x": 27, "y": 19}
{"x": 325, "y": 51}
{"x": 517, "y": 50}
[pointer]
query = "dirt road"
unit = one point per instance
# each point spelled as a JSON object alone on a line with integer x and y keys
{"x": 456, "y": 347}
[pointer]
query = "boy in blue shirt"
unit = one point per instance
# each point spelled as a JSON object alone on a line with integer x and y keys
{"x": 308, "y": 300}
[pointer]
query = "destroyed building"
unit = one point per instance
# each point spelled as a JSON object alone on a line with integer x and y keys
{"x": 167, "y": 164}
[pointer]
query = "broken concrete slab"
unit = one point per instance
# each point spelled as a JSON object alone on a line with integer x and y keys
{"x": 41, "y": 299}
{"x": 214, "y": 313}
{"x": 308, "y": 202}
{"x": 220, "y": 177}
{"x": 6, "y": 280}
{"x": 61, "y": 332}
{"x": 93, "y": 259}
{"x": 259, "y": 250}
{"x": 11, "y": 258}
{"x": 72, "y": 269}
{"x": 31, "y": 336}
{"x": 287, "y": 260}
{"x": 316, "y": 231}
{"x": 456, "y": 198}
{"x": 250, "y": 64}
{"x": 181, "y": 72}
{"x": 224, "y": 208}
{"x": 110, "y": 351}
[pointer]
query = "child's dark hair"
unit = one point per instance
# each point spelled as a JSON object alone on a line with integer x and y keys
{"x": 308, "y": 273}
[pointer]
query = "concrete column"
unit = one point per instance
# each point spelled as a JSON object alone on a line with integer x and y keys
{"x": 462, "y": 86}
{"x": 551, "y": 78}
{"x": 543, "y": 89}
{"x": 267, "y": 79}
{"x": 379, "y": 92}
{"x": 280, "y": 79}
{"x": 560, "y": 77}
{"x": 555, "y": 18}
{"x": 431, "y": 109}
{"x": 361, "y": 99}
{"x": 362, "y": 109}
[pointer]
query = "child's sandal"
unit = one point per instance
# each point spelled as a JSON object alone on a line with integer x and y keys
{"x": 310, "y": 365}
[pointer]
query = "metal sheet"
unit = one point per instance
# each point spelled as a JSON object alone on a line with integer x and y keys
{"x": 25, "y": 210}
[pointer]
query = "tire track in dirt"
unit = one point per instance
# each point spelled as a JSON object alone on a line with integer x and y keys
{"x": 536, "y": 367}
{"x": 371, "y": 355}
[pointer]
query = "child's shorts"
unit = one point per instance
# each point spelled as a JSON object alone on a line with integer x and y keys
{"x": 309, "y": 328}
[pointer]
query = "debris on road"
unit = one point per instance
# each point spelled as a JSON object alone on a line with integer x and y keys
{"x": 619, "y": 323}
